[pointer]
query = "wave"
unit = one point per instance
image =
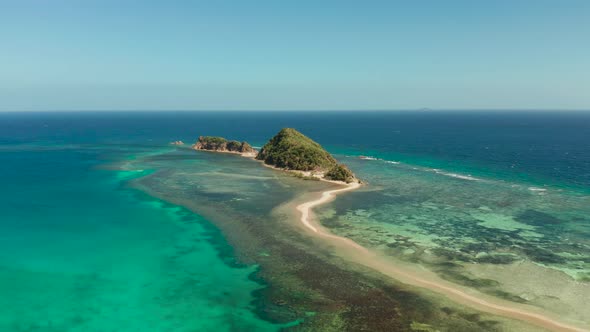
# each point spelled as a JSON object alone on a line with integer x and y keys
{"x": 379, "y": 159}
{"x": 538, "y": 190}
{"x": 435, "y": 170}
{"x": 455, "y": 175}
{"x": 368, "y": 158}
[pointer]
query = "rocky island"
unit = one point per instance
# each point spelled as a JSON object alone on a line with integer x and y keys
{"x": 220, "y": 144}
{"x": 291, "y": 150}
{"x": 288, "y": 150}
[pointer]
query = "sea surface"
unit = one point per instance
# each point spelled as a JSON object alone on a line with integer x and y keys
{"x": 105, "y": 226}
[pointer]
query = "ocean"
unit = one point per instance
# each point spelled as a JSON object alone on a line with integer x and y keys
{"x": 105, "y": 226}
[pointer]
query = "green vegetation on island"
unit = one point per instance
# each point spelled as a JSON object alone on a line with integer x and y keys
{"x": 291, "y": 150}
{"x": 340, "y": 173}
{"x": 214, "y": 143}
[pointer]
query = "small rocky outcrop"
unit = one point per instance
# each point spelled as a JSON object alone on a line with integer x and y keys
{"x": 177, "y": 143}
{"x": 220, "y": 144}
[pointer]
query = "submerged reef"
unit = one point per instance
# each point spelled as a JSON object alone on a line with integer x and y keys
{"x": 303, "y": 286}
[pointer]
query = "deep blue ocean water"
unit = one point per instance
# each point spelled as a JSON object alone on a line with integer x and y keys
{"x": 542, "y": 147}
{"x": 81, "y": 251}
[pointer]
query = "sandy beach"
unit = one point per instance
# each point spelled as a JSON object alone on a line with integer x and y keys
{"x": 326, "y": 196}
{"x": 352, "y": 251}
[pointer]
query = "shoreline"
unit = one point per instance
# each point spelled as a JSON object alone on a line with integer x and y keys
{"x": 307, "y": 175}
{"x": 306, "y": 209}
{"x": 251, "y": 155}
{"x": 356, "y": 253}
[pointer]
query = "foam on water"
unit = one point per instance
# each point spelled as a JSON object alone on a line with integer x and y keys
{"x": 435, "y": 170}
{"x": 455, "y": 175}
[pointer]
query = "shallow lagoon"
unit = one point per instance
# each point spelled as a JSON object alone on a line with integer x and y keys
{"x": 252, "y": 205}
{"x": 82, "y": 251}
{"x": 97, "y": 210}
{"x": 485, "y": 233}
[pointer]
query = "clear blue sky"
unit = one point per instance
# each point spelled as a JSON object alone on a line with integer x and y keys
{"x": 75, "y": 55}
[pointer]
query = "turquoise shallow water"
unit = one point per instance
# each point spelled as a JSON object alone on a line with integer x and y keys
{"x": 472, "y": 215}
{"x": 80, "y": 251}
{"x": 508, "y": 238}
{"x": 485, "y": 200}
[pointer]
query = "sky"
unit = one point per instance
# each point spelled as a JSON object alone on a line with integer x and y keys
{"x": 294, "y": 55}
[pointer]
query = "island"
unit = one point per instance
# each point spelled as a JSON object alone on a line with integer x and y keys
{"x": 292, "y": 151}
{"x": 220, "y": 144}
{"x": 288, "y": 150}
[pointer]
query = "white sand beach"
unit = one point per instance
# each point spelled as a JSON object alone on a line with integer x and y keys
{"x": 352, "y": 251}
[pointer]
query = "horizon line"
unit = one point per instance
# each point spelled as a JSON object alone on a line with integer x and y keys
{"x": 425, "y": 109}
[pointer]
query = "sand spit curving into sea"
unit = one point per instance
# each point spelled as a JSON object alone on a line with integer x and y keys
{"x": 352, "y": 251}
{"x": 305, "y": 209}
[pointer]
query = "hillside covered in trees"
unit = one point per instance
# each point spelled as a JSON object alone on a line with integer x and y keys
{"x": 220, "y": 144}
{"x": 291, "y": 150}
